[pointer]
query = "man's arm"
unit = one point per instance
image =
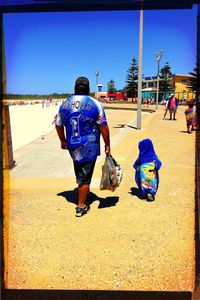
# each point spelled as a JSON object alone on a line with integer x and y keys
{"x": 106, "y": 137}
{"x": 61, "y": 135}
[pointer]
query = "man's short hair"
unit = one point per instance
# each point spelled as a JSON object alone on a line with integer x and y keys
{"x": 82, "y": 86}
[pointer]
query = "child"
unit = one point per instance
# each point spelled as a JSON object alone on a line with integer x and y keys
{"x": 166, "y": 109}
{"x": 147, "y": 166}
{"x": 190, "y": 117}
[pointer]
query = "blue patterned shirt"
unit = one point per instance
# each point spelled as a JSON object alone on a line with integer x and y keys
{"x": 81, "y": 116}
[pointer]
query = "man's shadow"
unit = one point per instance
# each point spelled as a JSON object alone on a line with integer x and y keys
{"x": 72, "y": 196}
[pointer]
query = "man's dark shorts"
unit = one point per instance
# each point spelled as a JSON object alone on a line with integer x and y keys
{"x": 84, "y": 171}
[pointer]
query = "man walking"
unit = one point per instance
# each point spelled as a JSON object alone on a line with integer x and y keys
{"x": 172, "y": 106}
{"x": 80, "y": 121}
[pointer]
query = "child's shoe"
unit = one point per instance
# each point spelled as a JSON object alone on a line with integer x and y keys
{"x": 150, "y": 197}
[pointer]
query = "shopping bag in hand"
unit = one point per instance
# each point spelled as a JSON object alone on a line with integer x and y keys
{"x": 111, "y": 174}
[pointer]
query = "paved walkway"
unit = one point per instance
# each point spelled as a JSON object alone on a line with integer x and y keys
{"x": 124, "y": 243}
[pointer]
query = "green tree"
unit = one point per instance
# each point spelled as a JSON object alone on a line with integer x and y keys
{"x": 132, "y": 79}
{"x": 111, "y": 87}
{"x": 166, "y": 83}
{"x": 193, "y": 83}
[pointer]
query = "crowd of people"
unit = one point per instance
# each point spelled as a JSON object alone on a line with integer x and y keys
{"x": 171, "y": 106}
{"x": 148, "y": 101}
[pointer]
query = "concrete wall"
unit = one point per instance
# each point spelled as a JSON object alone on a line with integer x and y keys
{"x": 29, "y": 122}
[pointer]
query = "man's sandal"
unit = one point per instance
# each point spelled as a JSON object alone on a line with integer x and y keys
{"x": 81, "y": 211}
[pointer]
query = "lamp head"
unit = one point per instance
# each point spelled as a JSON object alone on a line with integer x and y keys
{"x": 159, "y": 55}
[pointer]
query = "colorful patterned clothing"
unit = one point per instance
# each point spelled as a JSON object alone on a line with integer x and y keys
{"x": 81, "y": 116}
{"x": 147, "y": 165}
{"x": 190, "y": 116}
{"x": 147, "y": 178}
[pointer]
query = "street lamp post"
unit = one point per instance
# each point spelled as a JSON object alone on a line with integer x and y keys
{"x": 139, "y": 100}
{"x": 97, "y": 82}
{"x": 158, "y": 58}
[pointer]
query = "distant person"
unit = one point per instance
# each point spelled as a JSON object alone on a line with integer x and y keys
{"x": 144, "y": 100}
{"x": 190, "y": 117}
{"x": 84, "y": 119}
{"x": 152, "y": 100}
{"x": 172, "y": 106}
{"x": 166, "y": 109}
{"x": 148, "y": 101}
{"x": 147, "y": 166}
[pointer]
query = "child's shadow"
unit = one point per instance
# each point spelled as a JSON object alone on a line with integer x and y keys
{"x": 136, "y": 192}
{"x": 72, "y": 196}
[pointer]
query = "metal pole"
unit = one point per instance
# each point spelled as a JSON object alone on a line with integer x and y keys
{"x": 97, "y": 74}
{"x": 97, "y": 86}
{"x": 158, "y": 58}
{"x": 157, "y": 90}
{"x": 139, "y": 101}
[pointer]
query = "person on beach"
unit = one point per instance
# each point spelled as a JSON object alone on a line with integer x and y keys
{"x": 146, "y": 170}
{"x": 172, "y": 106}
{"x": 79, "y": 123}
{"x": 190, "y": 117}
{"x": 166, "y": 109}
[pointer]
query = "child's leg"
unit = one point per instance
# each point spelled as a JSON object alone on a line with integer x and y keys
{"x": 188, "y": 129}
{"x": 193, "y": 126}
{"x": 150, "y": 197}
{"x": 165, "y": 112}
{"x": 150, "y": 194}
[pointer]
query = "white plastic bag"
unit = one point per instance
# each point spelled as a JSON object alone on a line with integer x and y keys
{"x": 111, "y": 174}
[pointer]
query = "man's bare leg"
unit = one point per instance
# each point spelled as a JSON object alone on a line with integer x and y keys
{"x": 82, "y": 194}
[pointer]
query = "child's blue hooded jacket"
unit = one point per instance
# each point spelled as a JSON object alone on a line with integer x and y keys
{"x": 146, "y": 155}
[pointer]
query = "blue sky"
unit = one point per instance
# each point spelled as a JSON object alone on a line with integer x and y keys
{"x": 46, "y": 52}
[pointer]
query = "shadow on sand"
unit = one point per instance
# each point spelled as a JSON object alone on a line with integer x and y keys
{"x": 72, "y": 196}
{"x": 136, "y": 192}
